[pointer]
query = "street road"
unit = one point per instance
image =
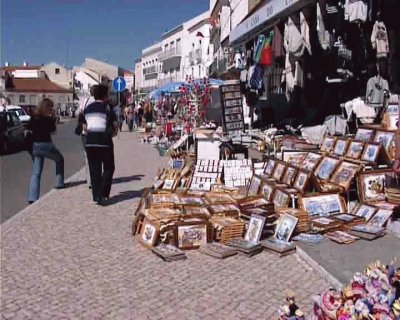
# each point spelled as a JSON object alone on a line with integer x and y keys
{"x": 16, "y": 170}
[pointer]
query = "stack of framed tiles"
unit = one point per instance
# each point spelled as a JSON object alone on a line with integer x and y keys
{"x": 232, "y": 107}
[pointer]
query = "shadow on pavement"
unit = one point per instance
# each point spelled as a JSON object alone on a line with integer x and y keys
{"x": 128, "y": 179}
{"x": 124, "y": 196}
{"x": 74, "y": 183}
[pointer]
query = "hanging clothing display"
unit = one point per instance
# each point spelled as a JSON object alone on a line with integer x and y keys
{"x": 356, "y": 11}
{"x": 379, "y": 39}
{"x": 376, "y": 87}
{"x": 323, "y": 34}
{"x": 277, "y": 43}
{"x": 334, "y": 16}
{"x": 358, "y": 107}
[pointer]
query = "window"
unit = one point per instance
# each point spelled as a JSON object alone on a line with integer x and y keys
{"x": 22, "y": 98}
{"x": 193, "y": 72}
{"x": 33, "y": 100}
{"x": 57, "y": 71}
{"x": 199, "y": 71}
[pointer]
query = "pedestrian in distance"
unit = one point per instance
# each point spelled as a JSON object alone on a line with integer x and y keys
{"x": 119, "y": 116}
{"x": 43, "y": 125}
{"x": 130, "y": 116}
{"x": 101, "y": 125}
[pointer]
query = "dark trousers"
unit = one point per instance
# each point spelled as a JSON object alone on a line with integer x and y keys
{"x": 101, "y": 167}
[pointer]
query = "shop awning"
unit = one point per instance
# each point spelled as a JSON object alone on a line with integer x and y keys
{"x": 264, "y": 17}
{"x": 171, "y": 64}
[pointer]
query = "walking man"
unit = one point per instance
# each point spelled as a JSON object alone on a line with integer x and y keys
{"x": 101, "y": 126}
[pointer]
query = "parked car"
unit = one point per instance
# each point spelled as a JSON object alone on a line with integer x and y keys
{"x": 21, "y": 113}
{"x": 11, "y": 131}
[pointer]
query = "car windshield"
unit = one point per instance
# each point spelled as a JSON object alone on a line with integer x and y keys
{"x": 20, "y": 112}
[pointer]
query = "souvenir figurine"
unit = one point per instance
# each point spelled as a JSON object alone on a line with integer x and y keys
{"x": 290, "y": 298}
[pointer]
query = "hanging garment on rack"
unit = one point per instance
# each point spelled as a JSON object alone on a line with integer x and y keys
{"x": 379, "y": 39}
{"x": 266, "y": 57}
{"x": 355, "y": 11}
{"x": 260, "y": 43}
{"x": 334, "y": 16}
{"x": 314, "y": 134}
{"x": 362, "y": 111}
{"x": 256, "y": 79}
{"x": 337, "y": 125}
{"x": 376, "y": 87}
{"x": 277, "y": 43}
{"x": 323, "y": 34}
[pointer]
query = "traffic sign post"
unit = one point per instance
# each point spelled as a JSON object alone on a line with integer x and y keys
{"x": 119, "y": 84}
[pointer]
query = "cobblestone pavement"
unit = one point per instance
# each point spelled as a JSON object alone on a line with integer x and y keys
{"x": 66, "y": 258}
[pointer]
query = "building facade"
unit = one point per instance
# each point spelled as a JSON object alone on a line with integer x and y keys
{"x": 58, "y": 74}
{"x": 138, "y": 75}
{"x": 150, "y": 67}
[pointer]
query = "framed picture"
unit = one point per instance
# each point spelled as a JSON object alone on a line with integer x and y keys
{"x": 341, "y": 147}
{"x": 326, "y": 167}
{"x": 267, "y": 190}
{"x": 294, "y": 157}
{"x": 322, "y": 205}
{"x": 364, "y": 134}
{"x": 289, "y": 175}
{"x": 279, "y": 170}
{"x": 255, "y": 229}
{"x": 380, "y": 218}
{"x": 365, "y": 211}
{"x": 392, "y": 121}
{"x": 371, "y": 152}
{"x": 191, "y": 235}
{"x": 301, "y": 181}
{"x": 323, "y": 221}
{"x": 192, "y": 200}
{"x": 327, "y": 144}
{"x": 311, "y": 161}
{"x": 269, "y": 168}
{"x": 281, "y": 198}
{"x": 355, "y": 149}
{"x": 148, "y": 233}
{"x": 371, "y": 185}
{"x": 254, "y": 186}
{"x": 385, "y": 138}
{"x": 285, "y": 227}
{"x": 392, "y": 109}
{"x": 345, "y": 172}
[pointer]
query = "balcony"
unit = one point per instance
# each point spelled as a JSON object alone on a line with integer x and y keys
{"x": 195, "y": 57}
{"x": 173, "y": 52}
{"x": 152, "y": 69}
{"x": 219, "y": 65}
{"x": 167, "y": 80}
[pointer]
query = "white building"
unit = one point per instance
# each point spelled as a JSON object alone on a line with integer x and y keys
{"x": 151, "y": 67}
{"x": 138, "y": 75}
{"x": 201, "y": 53}
{"x": 184, "y": 50}
{"x": 58, "y": 74}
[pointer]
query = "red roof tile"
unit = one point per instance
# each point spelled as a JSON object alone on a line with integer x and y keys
{"x": 36, "y": 85}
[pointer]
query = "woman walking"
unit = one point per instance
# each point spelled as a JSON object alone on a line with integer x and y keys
{"x": 42, "y": 125}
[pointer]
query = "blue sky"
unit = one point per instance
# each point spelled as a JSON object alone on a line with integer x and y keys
{"x": 67, "y": 31}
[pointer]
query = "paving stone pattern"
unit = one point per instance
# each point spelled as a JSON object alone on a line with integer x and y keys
{"x": 66, "y": 258}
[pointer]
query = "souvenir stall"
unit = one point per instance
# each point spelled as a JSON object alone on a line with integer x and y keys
{"x": 371, "y": 294}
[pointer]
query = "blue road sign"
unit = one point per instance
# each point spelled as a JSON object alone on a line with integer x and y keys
{"x": 119, "y": 84}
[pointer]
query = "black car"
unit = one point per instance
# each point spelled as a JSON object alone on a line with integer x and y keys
{"x": 11, "y": 132}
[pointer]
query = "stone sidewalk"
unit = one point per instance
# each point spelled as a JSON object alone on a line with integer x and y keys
{"x": 66, "y": 258}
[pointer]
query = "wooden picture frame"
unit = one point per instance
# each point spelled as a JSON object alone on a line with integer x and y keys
{"x": 385, "y": 138}
{"x": 371, "y": 152}
{"x": 285, "y": 227}
{"x": 267, "y": 190}
{"x": 380, "y": 218}
{"x": 289, "y": 175}
{"x": 326, "y": 167}
{"x": 341, "y": 146}
{"x": 279, "y": 170}
{"x": 371, "y": 185}
{"x": 302, "y": 180}
{"x": 255, "y": 228}
{"x": 345, "y": 173}
{"x": 364, "y": 134}
{"x": 355, "y": 149}
{"x": 281, "y": 199}
{"x": 294, "y": 157}
{"x": 191, "y": 234}
{"x": 364, "y": 211}
{"x": 148, "y": 232}
{"x": 392, "y": 121}
{"x": 269, "y": 168}
{"x": 311, "y": 161}
{"x": 322, "y": 204}
{"x": 327, "y": 143}
{"x": 254, "y": 187}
